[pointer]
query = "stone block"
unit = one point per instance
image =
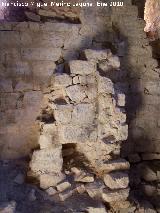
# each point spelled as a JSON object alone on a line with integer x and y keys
{"x": 123, "y": 133}
{"x": 63, "y": 113}
{"x": 22, "y": 86}
{"x": 50, "y": 180}
{"x": 62, "y": 80}
{"x": 115, "y": 195}
{"x": 112, "y": 165}
{"x": 75, "y": 133}
{"x": 45, "y": 141}
{"x": 8, "y": 55}
{"x": 63, "y": 186}
{"x": 51, "y": 191}
{"x": 105, "y": 85}
{"x": 66, "y": 194}
{"x": 49, "y": 129}
{"x": 47, "y": 161}
{"x": 97, "y": 55}
{"x": 82, "y": 67}
{"x": 32, "y": 98}
{"x": 76, "y": 93}
{"x": 98, "y": 209}
{"x": 43, "y": 70}
{"x": 121, "y": 100}
{"x": 116, "y": 180}
{"x": 41, "y": 54}
{"x": 18, "y": 69}
{"x": 84, "y": 178}
{"x": 48, "y": 39}
{"x": 83, "y": 114}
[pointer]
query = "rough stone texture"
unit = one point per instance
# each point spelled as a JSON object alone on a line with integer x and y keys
{"x": 117, "y": 195}
{"x": 116, "y": 180}
{"x": 22, "y": 80}
{"x": 47, "y": 161}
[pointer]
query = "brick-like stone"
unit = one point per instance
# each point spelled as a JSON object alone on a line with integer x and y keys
{"x": 76, "y": 93}
{"x": 82, "y": 67}
{"x": 41, "y": 54}
{"x": 83, "y": 114}
{"x": 63, "y": 186}
{"x": 116, "y": 180}
{"x": 105, "y": 85}
{"x": 112, "y": 165}
{"x": 97, "y": 55}
{"x": 47, "y": 161}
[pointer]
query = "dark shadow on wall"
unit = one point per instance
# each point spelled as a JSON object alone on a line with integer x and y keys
{"x": 140, "y": 139}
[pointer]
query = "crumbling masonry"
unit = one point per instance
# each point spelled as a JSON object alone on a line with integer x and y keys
{"x": 89, "y": 112}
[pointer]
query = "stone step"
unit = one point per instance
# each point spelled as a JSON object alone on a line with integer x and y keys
{"x": 116, "y": 180}
{"x": 115, "y": 195}
{"x": 112, "y": 165}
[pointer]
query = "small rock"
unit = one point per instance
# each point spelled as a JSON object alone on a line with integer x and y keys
{"x": 80, "y": 189}
{"x": 75, "y": 170}
{"x": 19, "y": 179}
{"x": 45, "y": 141}
{"x": 32, "y": 196}
{"x": 66, "y": 194}
{"x": 76, "y": 80}
{"x": 76, "y": 93}
{"x": 51, "y": 191}
{"x": 116, "y": 180}
{"x": 62, "y": 80}
{"x": 105, "y": 85}
{"x": 63, "y": 186}
{"x": 121, "y": 100}
{"x": 84, "y": 177}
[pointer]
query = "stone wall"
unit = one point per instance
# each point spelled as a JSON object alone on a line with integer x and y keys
{"x": 28, "y": 55}
{"x": 31, "y": 52}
